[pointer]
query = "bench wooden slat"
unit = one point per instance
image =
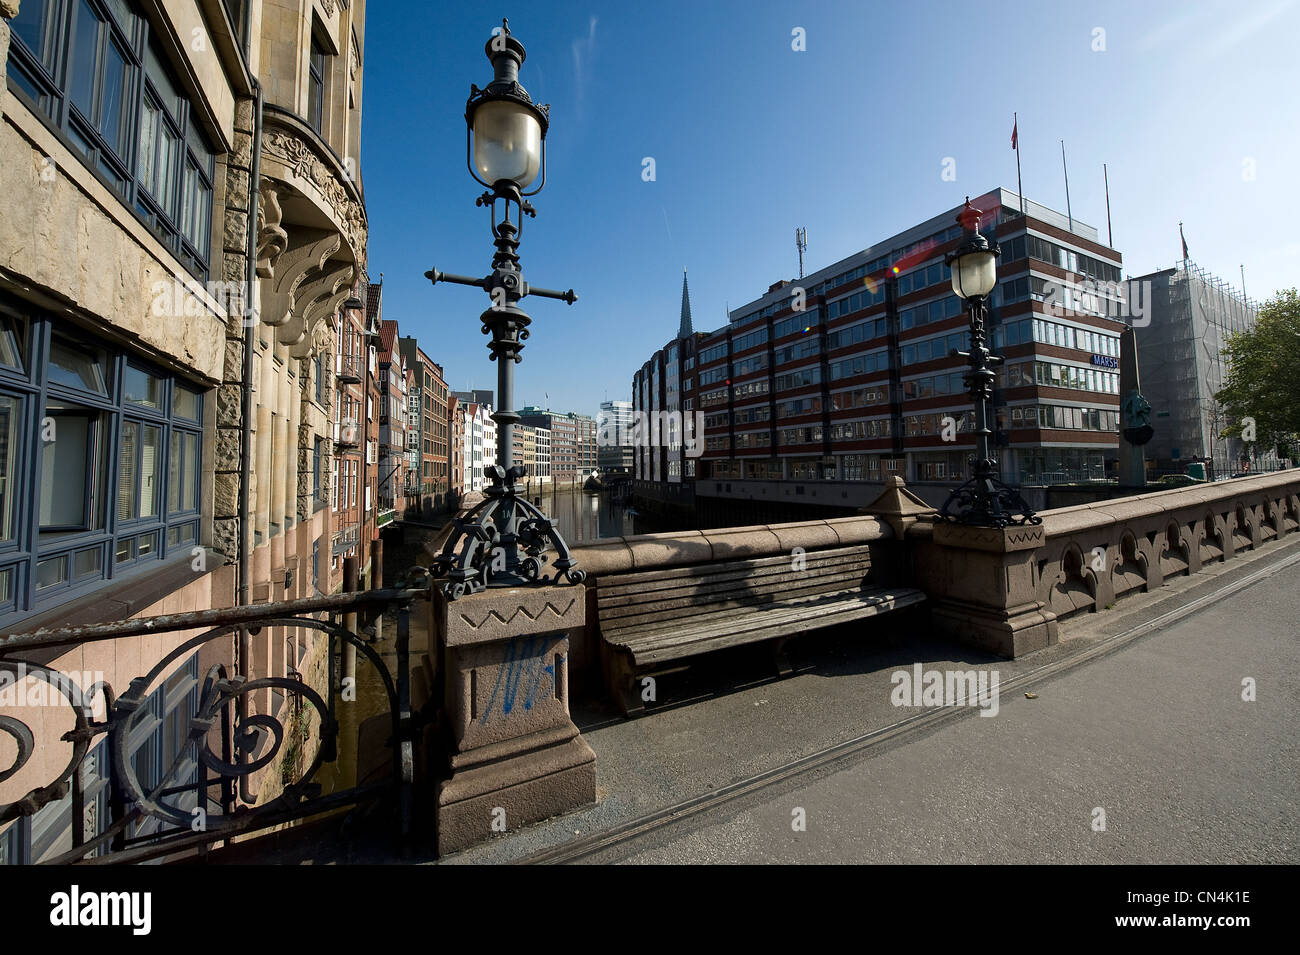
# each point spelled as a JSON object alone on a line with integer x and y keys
{"x": 755, "y": 602}
{"x": 609, "y": 599}
{"x": 745, "y": 617}
{"x": 724, "y": 634}
{"x": 640, "y": 578}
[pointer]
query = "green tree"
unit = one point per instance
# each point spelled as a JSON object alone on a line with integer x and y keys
{"x": 1263, "y": 381}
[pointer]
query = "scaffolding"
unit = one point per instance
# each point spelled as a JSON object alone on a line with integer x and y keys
{"x": 1183, "y": 366}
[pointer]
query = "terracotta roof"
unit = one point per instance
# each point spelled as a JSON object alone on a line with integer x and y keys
{"x": 387, "y": 339}
{"x": 374, "y": 293}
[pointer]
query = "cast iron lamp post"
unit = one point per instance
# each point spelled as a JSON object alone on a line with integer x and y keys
{"x": 505, "y": 151}
{"x": 983, "y": 501}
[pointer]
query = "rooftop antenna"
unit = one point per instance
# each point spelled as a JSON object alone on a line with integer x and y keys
{"x": 801, "y": 243}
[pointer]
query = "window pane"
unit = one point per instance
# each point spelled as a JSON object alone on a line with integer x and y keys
{"x": 147, "y": 166}
{"x": 146, "y": 544}
{"x": 30, "y": 25}
{"x": 189, "y": 202}
{"x": 111, "y": 123}
{"x": 122, "y": 13}
{"x": 190, "y": 473}
{"x": 86, "y": 563}
{"x": 9, "y": 409}
{"x": 84, "y": 54}
{"x": 6, "y": 585}
{"x": 77, "y": 367}
{"x": 65, "y": 473}
{"x": 203, "y": 219}
{"x": 168, "y": 150}
{"x": 142, "y": 388}
{"x": 173, "y": 473}
{"x": 150, "y": 466}
{"x": 51, "y": 571}
{"x": 127, "y": 475}
{"x": 161, "y": 78}
{"x": 185, "y": 404}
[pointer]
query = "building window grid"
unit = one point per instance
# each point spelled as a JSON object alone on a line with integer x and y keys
{"x": 93, "y": 70}
{"x": 141, "y": 498}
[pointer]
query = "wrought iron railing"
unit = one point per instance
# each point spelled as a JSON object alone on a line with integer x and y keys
{"x": 226, "y": 738}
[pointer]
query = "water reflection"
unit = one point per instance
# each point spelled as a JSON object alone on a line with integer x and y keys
{"x": 581, "y": 516}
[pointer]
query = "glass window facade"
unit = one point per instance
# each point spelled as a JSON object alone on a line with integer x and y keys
{"x": 109, "y": 452}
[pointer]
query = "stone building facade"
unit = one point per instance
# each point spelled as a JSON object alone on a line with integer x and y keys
{"x": 140, "y": 185}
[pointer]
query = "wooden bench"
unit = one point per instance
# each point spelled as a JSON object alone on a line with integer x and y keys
{"x": 651, "y": 619}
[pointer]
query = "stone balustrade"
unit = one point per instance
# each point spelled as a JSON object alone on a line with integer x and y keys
{"x": 1094, "y": 554}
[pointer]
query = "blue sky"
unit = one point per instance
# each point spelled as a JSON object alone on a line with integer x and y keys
{"x": 1192, "y": 106}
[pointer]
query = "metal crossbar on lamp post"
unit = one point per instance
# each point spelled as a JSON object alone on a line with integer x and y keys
{"x": 505, "y": 152}
{"x": 984, "y": 500}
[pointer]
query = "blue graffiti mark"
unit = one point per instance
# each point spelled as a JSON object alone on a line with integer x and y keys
{"x": 525, "y": 661}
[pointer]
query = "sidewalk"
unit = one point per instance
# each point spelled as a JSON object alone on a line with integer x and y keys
{"x": 1155, "y": 733}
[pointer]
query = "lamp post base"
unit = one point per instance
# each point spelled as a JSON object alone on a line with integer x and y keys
{"x": 987, "y": 502}
{"x": 483, "y": 551}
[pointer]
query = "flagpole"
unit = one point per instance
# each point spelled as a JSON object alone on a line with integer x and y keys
{"x": 1068, "y": 212}
{"x": 1015, "y": 126}
{"x": 1110, "y": 234}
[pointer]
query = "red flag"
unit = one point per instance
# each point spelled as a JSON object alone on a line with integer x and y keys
{"x": 1014, "y": 143}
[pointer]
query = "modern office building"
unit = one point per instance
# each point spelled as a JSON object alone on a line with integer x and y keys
{"x": 541, "y": 472}
{"x": 572, "y": 442}
{"x": 480, "y": 445}
{"x": 614, "y": 454}
{"x": 818, "y": 391}
{"x": 524, "y": 448}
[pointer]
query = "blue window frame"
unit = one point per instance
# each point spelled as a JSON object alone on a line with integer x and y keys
{"x": 100, "y": 462}
{"x": 95, "y": 72}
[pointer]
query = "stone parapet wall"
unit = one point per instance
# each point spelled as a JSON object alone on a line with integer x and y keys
{"x": 621, "y": 555}
{"x": 1093, "y": 554}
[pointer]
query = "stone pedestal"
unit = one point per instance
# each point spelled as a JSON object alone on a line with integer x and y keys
{"x": 517, "y": 756}
{"x": 982, "y": 586}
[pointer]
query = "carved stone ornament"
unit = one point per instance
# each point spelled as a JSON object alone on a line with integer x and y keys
{"x": 305, "y": 163}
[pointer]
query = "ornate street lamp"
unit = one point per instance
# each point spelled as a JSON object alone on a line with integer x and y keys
{"x": 505, "y": 151}
{"x": 983, "y": 500}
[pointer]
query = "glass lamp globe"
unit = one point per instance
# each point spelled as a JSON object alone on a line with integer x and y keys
{"x": 507, "y": 143}
{"x": 974, "y": 272}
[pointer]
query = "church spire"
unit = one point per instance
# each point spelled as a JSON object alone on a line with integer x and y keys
{"x": 685, "y": 330}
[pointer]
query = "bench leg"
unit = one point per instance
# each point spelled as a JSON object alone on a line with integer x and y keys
{"x": 624, "y": 685}
{"x": 779, "y": 657}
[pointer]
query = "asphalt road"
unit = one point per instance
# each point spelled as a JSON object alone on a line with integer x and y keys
{"x": 1156, "y": 735}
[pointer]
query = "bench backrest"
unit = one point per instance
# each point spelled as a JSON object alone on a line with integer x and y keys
{"x": 629, "y": 600}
